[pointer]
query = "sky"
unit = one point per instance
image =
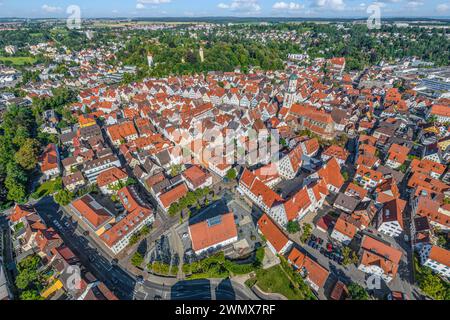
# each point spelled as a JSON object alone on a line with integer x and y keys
{"x": 238, "y": 8}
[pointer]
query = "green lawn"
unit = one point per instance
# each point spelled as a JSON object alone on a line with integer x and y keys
{"x": 47, "y": 188}
{"x": 274, "y": 280}
{"x": 18, "y": 61}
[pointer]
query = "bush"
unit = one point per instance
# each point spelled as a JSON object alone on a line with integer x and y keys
{"x": 137, "y": 260}
{"x": 293, "y": 227}
{"x": 357, "y": 292}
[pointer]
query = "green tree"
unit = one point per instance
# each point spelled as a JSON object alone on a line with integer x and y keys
{"x": 31, "y": 295}
{"x": 63, "y": 197}
{"x": 357, "y": 292}
{"x": 293, "y": 227}
{"x": 27, "y": 156}
{"x": 28, "y": 275}
{"x": 137, "y": 259}
{"x": 433, "y": 286}
{"x": 231, "y": 174}
{"x": 307, "y": 231}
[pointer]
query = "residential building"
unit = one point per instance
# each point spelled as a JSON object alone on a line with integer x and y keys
{"x": 313, "y": 273}
{"x": 436, "y": 258}
{"x": 379, "y": 258}
{"x": 277, "y": 241}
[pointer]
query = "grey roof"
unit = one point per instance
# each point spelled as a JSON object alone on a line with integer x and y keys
{"x": 159, "y": 187}
{"x": 67, "y": 137}
{"x": 163, "y": 157}
{"x": 397, "y": 175}
{"x": 89, "y": 132}
{"x": 346, "y": 202}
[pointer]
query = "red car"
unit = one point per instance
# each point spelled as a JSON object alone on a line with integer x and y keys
{"x": 329, "y": 247}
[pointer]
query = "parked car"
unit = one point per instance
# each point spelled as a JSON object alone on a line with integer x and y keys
{"x": 329, "y": 247}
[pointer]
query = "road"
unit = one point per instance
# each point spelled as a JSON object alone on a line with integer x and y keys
{"x": 207, "y": 289}
{"x": 121, "y": 281}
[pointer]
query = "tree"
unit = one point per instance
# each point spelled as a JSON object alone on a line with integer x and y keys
{"x": 28, "y": 276}
{"x": 63, "y": 197}
{"x": 307, "y": 230}
{"x": 137, "y": 259}
{"x": 346, "y": 254}
{"x": 357, "y": 292}
{"x": 31, "y": 295}
{"x": 231, "y": 174}
{"x": 293, "y": 227}
{"x": 27, "y": 156}
{"x": 432, "y": 285}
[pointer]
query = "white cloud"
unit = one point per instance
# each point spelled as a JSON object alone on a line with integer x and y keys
{"x": 243, "y": 6}
{"x": 330, "y": 4}
{"x": 154, "y": 1}
{"x": 443, "y": 7}
{"x": 140, "y": 6}
{"x": 51, "y": 9}
{"x": 414, "y": 4}
{"x": 287, "y": 6}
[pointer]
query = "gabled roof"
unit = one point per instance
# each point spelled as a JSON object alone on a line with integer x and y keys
{"x": 272, "y": 233}
{"x": 173, "y": 195}
{"x": 110, "y": 176}
{"x": 345, "y": 226}
{"x": 380, "y": 254}
{"x": 92, "y": 211}
{"x": 440, "y": 255}
{"x": 314, "y": 271}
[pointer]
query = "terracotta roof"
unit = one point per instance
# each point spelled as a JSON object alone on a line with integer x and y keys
{"x": 356, "y": 190}
{"x": 440, "y": 255}
{"x": 440, "y": 110}
{"x": 344, "y": 226}
{"x": 272, "y": 233}
{"x": 122, "y": 131}
{"x": 213, "y": 231}
{"x": 136, "y": 213}
{"x": 300, "y": 201}
{"x": 110, "y": 176}
{"x": 92, "y": 211}
{"x": 314, "y": 271}
{"x": 331, "y": 174}
{"x": 173, "y": 195}
{"x": 378, "y": 253}
{"x": 393, "y": 211}
{"x": 196, "y": 176}
{"x": 336, "y": 151}
{"x": 49, "y": 159}
{"x": 426, "y": 166}
{"x": 21, "y": 211}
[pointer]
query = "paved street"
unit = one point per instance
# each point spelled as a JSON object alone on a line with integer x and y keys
{"x": 121, "y": 281}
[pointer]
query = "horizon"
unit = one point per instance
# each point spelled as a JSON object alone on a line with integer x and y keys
{"x": 252, "y": 9}
{"x": 262, "y": 18}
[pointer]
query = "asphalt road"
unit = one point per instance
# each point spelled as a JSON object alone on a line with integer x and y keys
{"x": 205, "y": 289}
{"x": 121, "y": 281}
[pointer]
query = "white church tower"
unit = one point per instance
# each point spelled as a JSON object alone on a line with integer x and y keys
{"x": 150, "y": 60}
{"x": 291, "y": 94}
{"x": 202, "y": 55}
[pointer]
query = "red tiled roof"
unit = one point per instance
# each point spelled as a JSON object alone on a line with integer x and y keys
{"x": 90, "y": 209}
{"x": 110, "y": 176}
{"x": 440, "y": 255}
{"x": 173, "y": 195}
{"x": 272, "y": 233}
{"x": 377, "y": 253}
{"x": 315, "y": 272}
{"x": 205, "y": 235}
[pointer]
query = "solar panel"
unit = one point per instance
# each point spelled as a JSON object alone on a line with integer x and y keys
{"x": 214, "y": 221}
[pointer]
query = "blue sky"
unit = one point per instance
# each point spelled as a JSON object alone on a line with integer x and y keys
{"x": 196, "y": 8}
